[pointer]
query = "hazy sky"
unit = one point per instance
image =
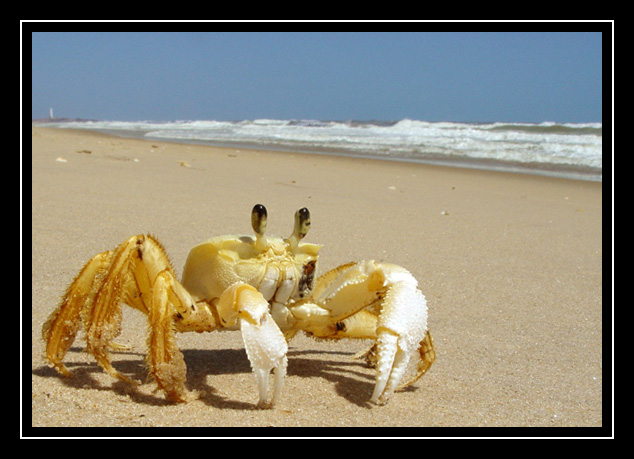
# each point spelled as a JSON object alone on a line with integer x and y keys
{"x": 433, "y": 76}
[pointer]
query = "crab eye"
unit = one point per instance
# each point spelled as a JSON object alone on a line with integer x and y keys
{"x": 258, "y": 222}
{"x": 302, "y": 223}
{"x": 258, "y": 219}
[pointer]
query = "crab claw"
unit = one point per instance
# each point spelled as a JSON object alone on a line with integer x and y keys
{"x": 263, "y": 340}
{"x": 266, "y": 349}
{"x": 401, "y": 327}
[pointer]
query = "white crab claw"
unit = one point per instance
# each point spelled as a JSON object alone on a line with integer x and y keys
{"x": 401, "y": 327}
{"x": 263, "y": 340}
{"x": 266, "y": 349}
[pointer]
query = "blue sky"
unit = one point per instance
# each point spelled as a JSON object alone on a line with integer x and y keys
{"x": 431, "y": 76}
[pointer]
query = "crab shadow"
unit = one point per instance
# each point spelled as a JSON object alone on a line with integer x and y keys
{"x": 87, "y": 375}
{"x": 351, "y": 378}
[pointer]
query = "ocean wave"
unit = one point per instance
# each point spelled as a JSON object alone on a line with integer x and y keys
{"x": 547, "y": 144}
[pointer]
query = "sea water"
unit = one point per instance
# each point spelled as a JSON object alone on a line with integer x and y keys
{"x": 563, "y": 150}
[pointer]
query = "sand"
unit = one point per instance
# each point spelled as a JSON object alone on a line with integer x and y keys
{"x": 511, "y": 266}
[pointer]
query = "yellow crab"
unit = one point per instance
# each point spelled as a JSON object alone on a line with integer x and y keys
{"x": 263, "y": 286}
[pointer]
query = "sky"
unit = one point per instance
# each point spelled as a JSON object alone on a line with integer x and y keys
{"x": 430, "y": 76}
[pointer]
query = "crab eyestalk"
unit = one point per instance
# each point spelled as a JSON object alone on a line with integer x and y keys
{"x": 258, "y": 222}
{"x": 302, "y": 224}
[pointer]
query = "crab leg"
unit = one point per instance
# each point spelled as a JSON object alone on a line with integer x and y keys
{"x": 60, "y": 329}
{"x": 138, "y": 273}
{"x": 103, "y": 322}
{"x": 165, "y": 360}
{"x": 141, "y": 275}
{"x": 263, "y": 340}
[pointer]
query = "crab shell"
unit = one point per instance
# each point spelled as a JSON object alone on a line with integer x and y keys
{"x": 279, "y": 269}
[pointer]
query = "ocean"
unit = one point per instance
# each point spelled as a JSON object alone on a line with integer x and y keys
{"x": 560, "y": 150}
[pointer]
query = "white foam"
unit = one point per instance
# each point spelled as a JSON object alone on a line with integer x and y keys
{"x": 547, "y": 143}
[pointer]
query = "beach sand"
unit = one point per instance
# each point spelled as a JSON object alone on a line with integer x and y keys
{"x": 511, "y": 266}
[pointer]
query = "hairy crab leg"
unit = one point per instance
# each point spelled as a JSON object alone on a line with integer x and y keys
{"x": 138, "y": 273}
{"x": 103, "y": 324}
{"x": 60, "y": 329}
{"x": 141, "y": 275}
{"x": 165, "y": 360}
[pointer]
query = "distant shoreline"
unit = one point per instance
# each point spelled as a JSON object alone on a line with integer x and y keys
{"x": 350, "y": 139}
{"x": 59, "y": 120}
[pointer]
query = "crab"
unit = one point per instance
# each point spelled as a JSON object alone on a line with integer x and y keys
{"x": 264, "y": 286}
